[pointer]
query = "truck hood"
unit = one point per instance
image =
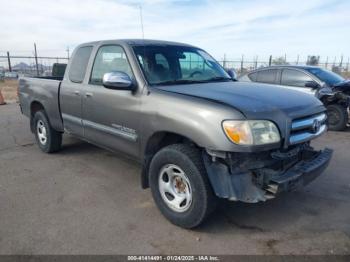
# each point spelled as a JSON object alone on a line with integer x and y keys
{"x": 254, "y": 100}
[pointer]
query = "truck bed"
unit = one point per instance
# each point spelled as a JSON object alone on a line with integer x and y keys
{"x": 43, "y": 91}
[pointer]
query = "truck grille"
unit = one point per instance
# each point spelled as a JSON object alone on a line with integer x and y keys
{"x": 307, "y": 128}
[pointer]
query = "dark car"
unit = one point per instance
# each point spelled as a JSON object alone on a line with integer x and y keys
{"x": 332, "y": 89}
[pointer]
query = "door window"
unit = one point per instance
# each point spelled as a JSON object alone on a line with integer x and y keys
{"x": 79, "y": 63}
{"x": 109, "y": 59}
{"x": 292, "y": 77}
{"x": 267, "y": 76}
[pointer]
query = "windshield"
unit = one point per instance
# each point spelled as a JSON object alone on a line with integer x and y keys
{"x": 326, "y": 76}
{"x": 170, "y": 64}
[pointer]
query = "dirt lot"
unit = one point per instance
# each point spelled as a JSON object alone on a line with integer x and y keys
{"x": 9, "y": 90}
{"x": 85, "y": 200}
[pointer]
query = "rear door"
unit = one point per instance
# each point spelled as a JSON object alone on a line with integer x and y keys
{"x": 111, "y": 118}
{"x": 71, "y": 91}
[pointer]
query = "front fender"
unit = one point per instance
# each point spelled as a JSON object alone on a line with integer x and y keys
{"x": 197, "y": 119}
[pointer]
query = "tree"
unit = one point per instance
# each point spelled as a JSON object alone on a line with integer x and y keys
{"x": 313, "y": 60}
{"x": 279, "y": 61}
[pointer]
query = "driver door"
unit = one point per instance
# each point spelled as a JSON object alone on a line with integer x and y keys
{"x": 111, "y": 117}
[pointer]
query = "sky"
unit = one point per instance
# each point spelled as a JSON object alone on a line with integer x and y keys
{"x": 228, "y": 28}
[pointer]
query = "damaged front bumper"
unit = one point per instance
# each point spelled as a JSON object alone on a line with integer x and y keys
{"x": 260, "y": 176}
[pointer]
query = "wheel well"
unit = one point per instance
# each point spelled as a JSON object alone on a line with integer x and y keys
{"x": 34, "y": 107}
{"x": 156, "y": 142}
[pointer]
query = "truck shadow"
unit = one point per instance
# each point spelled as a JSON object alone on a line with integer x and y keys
{"x": 293, "y": 211}
{"x": 288, "y": 212}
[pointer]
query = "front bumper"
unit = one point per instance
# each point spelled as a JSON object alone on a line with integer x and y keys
{"x": 302, "y": 173}
{"x": 266, "y": 178}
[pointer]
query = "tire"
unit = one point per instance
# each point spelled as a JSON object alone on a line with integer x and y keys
{"x": 337, "y": 117}
{"x": 186, "y": 166}
{"x": 48, "y": 139}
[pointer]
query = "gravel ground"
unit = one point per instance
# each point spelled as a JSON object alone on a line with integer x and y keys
{"x": 85, "y": 200}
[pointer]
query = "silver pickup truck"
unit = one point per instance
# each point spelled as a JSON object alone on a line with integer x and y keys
{"x": 198, "y": 134}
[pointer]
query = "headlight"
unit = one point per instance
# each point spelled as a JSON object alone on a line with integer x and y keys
{"x": 251, "y": 132}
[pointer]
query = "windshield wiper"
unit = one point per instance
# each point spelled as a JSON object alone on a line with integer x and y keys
{"x": 218, "y": 78}
{"x": 189, "y": 81}
{"x": 178, "y": 82}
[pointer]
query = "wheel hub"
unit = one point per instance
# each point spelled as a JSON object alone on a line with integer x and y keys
{"x": 175, "y": 188}
{"x": 41, "y": 131}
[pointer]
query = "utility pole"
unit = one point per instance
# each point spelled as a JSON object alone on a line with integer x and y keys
{"x": 67, "y": 52}
{"x": 326, "y": 65}
{"x": 141, "y": 20}
{"x": 9, "y": 61}
{"x": 297, "y": 59}
{"x": 36, "y": 60}
{"x": 242, "y": 64}
{"x": 270, "y": 60}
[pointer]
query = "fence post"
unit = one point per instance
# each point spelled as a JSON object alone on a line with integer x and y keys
{"x": 270, "y": 60}
{"x": 341, "y": 61}
{"x": 9, "y": 61}
{"x": 256, "y": 62}
{"x": 36, "y": 60}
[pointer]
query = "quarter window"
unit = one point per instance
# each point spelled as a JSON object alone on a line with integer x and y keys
{"x": 109, "y": 59}
{"x": 79, "y": 63}
{"x": 253, "y": 76}
{"x": 292, "y": 77}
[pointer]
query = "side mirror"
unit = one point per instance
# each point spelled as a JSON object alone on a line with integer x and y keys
{"x": 117, "y": 80}
{"x": 232, "y": 73}
{"x": 312, "y": 84}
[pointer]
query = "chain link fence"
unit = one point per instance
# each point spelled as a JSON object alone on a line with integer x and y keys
{"x": 42, "y": 65}
{"x": 12, "y": 66}
{"x": 242, "y": 66}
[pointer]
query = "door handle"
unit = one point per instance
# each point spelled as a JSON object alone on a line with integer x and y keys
{"x": 88, "y": 94}
{"x": 76, "y": 92}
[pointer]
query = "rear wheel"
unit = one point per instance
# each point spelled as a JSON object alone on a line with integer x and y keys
{"x": 48, "y": 139}
{"x": 337, "y": 117}
{"x": 180, "y": 185}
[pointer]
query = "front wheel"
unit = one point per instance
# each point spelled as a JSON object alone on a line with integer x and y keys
{"x": 48, "y": 139}
{"x": 337, "y": 117}
{"x": 180, "y": 186}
